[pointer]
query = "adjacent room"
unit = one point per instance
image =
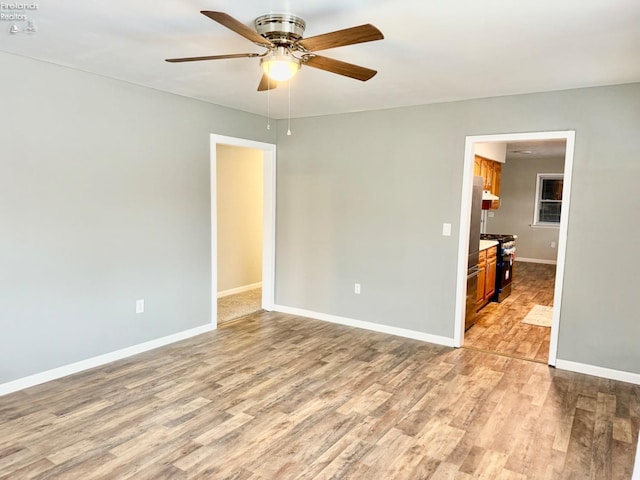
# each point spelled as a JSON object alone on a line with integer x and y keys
{"x": 519, "y": 229}
{"x": 239, "y": 240}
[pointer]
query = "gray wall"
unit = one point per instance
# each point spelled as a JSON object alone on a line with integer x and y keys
{"x": 239, "y": 194}
{"x": 515, "y": 215}
{"x": 362, "y": 198}
{"x": 104, "y": 199}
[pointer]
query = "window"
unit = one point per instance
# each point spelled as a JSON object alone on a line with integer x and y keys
{"x": 548, "y": 203}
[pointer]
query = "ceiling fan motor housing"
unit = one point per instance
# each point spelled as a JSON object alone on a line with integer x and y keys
{"x": 280, "y": 28}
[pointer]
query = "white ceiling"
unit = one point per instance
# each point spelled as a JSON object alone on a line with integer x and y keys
{"x": 536, "y": 149}
{"x": 432, "y": 51}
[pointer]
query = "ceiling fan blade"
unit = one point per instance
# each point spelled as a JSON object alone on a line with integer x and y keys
{"x": 238, "y": 27}
{"x": 341, "y": 68}
{"x": 340, "y": 38}
{"x": 212, "y": 57}
{"x": 266, "y": 83}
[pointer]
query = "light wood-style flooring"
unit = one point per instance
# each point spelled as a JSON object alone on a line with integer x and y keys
{"x": 499, "y": 326}
{"x": 276, "y": 396}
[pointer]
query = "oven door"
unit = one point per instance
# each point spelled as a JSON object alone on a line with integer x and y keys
{"x": 504, "y": 277}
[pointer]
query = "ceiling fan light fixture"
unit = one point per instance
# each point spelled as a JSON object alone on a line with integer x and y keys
{"x": 280, "y": 67}
{"x": 282, "y": 34}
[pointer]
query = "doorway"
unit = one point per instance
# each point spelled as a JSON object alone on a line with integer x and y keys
{"x": 554, "y": 284}
{"x": 239, "y": 196}
{"x": 221, "y": 146}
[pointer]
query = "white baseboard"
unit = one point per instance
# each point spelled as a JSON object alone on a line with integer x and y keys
{"x": 42, "y": 377}
{"x": 536, "y": 260}
{"x": 620, "y": 375}
{"x": 376, "y": 327}
{"x": 245, "y": 288}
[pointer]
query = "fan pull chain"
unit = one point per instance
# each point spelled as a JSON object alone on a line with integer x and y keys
{"x": 268, "y": 103}
{"x": 289, "y": 125}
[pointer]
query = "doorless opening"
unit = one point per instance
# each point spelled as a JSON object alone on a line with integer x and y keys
{"x": 465, "y": 212}
{"x": 268, "y": 218}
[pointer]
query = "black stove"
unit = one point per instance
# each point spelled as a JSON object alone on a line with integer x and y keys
{"x": 504, "y": 265}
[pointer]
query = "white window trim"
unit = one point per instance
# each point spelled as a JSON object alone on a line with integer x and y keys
{"x": 536, "y": 203}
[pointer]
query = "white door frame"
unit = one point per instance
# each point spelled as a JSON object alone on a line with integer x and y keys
{"x": 465, "y": 213}
{"x": 268, "y": 219}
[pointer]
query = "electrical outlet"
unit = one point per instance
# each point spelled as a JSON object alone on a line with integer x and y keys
{"x": 553, "y": 244}
{"x": 356, "y": 289}
{"x": 140, "y": 306}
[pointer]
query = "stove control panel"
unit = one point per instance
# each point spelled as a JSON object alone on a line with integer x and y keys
{"x": 508, "y": 248}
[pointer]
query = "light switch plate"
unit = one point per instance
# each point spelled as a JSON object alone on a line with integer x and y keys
{"x": 446, "y": 229}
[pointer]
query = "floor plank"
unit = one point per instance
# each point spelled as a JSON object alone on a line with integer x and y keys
{"x": 279, "y": 397}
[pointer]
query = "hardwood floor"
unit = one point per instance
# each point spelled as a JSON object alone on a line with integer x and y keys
{"x": 281, "y": 397}
{"x": 499, "y": 326}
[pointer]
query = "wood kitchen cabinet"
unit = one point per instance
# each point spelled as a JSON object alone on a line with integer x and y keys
{"x": 487, "y": 173}
{"x": 491, "y": 172}
{"x": 496, "y": 174}
{"x": 495, "y": 182}
{"x": 482, "y": 276}
{"x": 477, "y": 166}
{"x": 487, "y": 277}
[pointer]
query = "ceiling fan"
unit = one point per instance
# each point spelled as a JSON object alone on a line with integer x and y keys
{"x": 282, "y": 35}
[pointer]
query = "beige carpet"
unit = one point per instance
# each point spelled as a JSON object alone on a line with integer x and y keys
{"x": 239, "y": 305}
{"x": 539, "y": 315}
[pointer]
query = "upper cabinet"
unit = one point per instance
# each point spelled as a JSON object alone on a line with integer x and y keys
{"x": 490, "y": 171}
{"x": 477, "y": 166}
{"x": 497, "y": 172}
